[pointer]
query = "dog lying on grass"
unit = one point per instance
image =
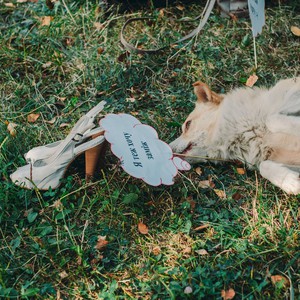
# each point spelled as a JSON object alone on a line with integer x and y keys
{"x": 258, "y": 126}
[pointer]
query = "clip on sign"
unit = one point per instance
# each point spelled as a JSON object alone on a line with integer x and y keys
{"x": 142, "y": 154}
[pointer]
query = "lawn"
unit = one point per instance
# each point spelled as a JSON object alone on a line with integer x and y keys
{"x": 85, "y": 240}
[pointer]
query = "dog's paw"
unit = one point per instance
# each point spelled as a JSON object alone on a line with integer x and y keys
{"x": 291, "y": 183}
{"x": 281, "y": 176}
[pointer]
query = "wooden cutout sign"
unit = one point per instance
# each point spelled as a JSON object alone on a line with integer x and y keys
{"x": 142, "y": 154}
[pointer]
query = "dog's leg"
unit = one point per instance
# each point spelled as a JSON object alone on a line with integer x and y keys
{"x": 282, "y": 123}
{"x": 283, "y": 176}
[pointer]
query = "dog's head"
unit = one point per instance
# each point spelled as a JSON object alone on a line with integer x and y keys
{"x": 198, "y": 128}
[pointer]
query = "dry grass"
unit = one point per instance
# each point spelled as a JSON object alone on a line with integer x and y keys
{"x": 197, "y": 241}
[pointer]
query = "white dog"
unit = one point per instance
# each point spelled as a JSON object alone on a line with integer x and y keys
{"x": 260, "y": 127}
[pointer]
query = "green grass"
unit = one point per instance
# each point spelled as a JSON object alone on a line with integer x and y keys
{"x": 47, "y": 239}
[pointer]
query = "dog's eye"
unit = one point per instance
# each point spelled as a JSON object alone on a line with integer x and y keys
{"x": 187, "y": 125}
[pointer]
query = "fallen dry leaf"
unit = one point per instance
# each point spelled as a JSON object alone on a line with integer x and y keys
{"x": 204, "y": 184}
{"x": 63, "y": 274}
{"x": 62, "y": 99}
{"x": 21, "y": 1}
{"x": 11, "y": 127}
{"x": 31, "y": 118}
{"x": 79, "y": 260}
{"x": 279, "y": 278}
{"x": 187, "y": 250}
{"x": 131, "y": 99}
{"x": 251, "y": 80}
{"x": 227, "y": 295}
{"x": 100, "y": 50}
{"x": 52, "y": 121}
{"x": 201, "y": 252}
{"x": 295, "y": 30}
{"x": 57, "y": 204}
{"x": 46, "y": 65}
{"x": 191, "y": 202}
{"x": 143, "y": 229}
{"x": 180, "y": 7}
{"x": 123, "y": 57}
{"x": 236, "y": 196}
{"x": 198, "y": 170}
{"x": 98, "y": 25}
{"x": 240, "y": 171}
{"x": 220, "y": 193}
{"x": 9, "y": 5}
{"x": 156, "y": 250}
{"x": 46, "y": 20}
{"x": 101, "y": 243}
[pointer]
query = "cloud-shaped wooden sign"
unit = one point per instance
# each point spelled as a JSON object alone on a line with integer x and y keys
{"x": 141, "y": 152}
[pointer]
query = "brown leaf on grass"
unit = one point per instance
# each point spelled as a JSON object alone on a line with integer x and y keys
{"x": 161, "y": 12}
{"x": 240, "y": 171}
{"x": 180, "y": 7}
{"x": 46, "y": 20}
{"x": 46, "y": 65}
{"x": 51, "y": 122}
{"x": 9, "y": 5}
{"x": 236, "y": 196}
{"x": 201, "y": 252}
{"x": 98, "y": 25}
{"x": 187, "y": 250}
{"x": 62, "y": 99}
{"x": 101, "y": 242}
{"x": 11, "y": 127}
{"x": 156, "y": 250}
{"x": 204, "y": 184}
{"x": 63, "y": 274}
{"x": 251, "y": 80}
{"x": 280, "y": 279}
{"x": 123, "y": 56}
{"x": 131, "y": 99}
{"x": 22, "y": 1}
{"x": 220, "y": 193}
{"x": 100, "y": 50}
{"x": 143, "y": 229}
{"x": 31, "y": 118}
{"x": 192, "y": 203}
{"x": 295, "y": 30}
{"x": 228, "y": 295}
{"x": 198, "y": 170}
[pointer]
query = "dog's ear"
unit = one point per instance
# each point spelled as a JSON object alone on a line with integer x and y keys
{"x": 205, "y": 94}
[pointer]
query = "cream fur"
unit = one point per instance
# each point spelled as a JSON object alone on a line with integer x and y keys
{"x": 258, "y": 126}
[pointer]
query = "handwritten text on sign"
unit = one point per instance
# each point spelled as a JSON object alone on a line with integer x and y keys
{"x": 135, "y": 155}
{"x": 140, "y": 151}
